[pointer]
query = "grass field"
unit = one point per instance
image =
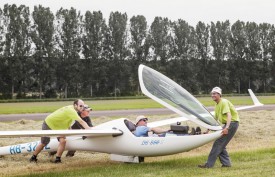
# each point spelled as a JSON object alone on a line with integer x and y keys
{"x": 45, "y": 107}
{"x": 253, "y": 164}
{"x": 252, "y": 152}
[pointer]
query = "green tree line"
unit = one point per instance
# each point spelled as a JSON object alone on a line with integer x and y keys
{"x": 70, "y": 54}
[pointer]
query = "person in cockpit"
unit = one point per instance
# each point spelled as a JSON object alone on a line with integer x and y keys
{"x": 142, "y": 130}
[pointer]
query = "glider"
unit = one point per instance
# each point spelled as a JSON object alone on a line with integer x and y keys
{"x": 116, "y": 137}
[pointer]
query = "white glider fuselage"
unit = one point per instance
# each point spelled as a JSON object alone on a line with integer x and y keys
{"x": 126, "y": 144}
{"x": 129, "y": 144}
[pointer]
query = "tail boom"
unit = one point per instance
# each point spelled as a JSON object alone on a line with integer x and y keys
{"x": 27, "y": 148}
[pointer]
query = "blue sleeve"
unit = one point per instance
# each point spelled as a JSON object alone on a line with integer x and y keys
{"x": 141, "y": 131}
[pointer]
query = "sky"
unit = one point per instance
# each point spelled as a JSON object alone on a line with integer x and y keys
{"x": 192, "y": 11}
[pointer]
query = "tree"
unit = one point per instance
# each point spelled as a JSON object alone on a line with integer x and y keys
{"x": 160, "y": 40}
{"x": 42, "y": 37}
{"x": 118, "y": 52}
{"x": 69, "y": 45}
{"x": 3, "y": 82}
{"x": 94, "y": 70}
{"x": 272, "y": 51}
{"x": 17, "y": 47}
{"x": 265, "y": 39}
{"x": 251, "y": 52}
{"x": 220, "y": 33}
{"x": 237, "y": 62}
{"x": 202, "y": 55}
{"x": 2, "y": 32}
{"x": 181, "y": 66}
{"x": 139, "y": 47}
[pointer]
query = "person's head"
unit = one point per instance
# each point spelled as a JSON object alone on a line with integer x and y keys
{"x": 216, "y": 94}
{"x": 78, "y": 105}
{"x": 86, "y": 111}
{"x": 141, "y": 120}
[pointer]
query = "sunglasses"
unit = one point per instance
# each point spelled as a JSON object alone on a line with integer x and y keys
{"x": 145, "y": 120}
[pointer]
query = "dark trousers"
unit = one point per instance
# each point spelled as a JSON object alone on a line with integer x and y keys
{"x": 219, "y": 147}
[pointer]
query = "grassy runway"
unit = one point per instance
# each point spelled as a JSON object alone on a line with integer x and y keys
{"x": 46, "y": 107}
{"x": 254, "y": 163}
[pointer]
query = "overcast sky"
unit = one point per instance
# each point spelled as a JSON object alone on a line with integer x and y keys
{"x": 192, "y": 11}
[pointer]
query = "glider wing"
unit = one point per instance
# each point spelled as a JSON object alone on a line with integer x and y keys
{"x": 40, "y": 133}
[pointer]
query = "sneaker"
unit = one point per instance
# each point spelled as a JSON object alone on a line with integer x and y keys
{"x": 203, "y": 166}
{"x": 70, "y": 154}
{"x": 57, "y": 161}
{"x": 33, "y": 159}
{"x": 226, "y": 166}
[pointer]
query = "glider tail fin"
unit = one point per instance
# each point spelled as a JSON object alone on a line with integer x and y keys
{"x": 254, "y": 98}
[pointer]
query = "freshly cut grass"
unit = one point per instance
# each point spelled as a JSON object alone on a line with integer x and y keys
{"x": 46, "y": 107}
{"x": 246, "y": 163}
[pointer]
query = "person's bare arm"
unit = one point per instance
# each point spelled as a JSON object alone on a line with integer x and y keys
{"x": 225, "y": 130}
{"x": 207, "y": 131}
{"x": 158, "y": 130}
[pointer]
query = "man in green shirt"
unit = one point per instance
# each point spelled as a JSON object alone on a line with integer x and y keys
{"x": 226, "y": 114}
{"x": 61, "y": 119}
